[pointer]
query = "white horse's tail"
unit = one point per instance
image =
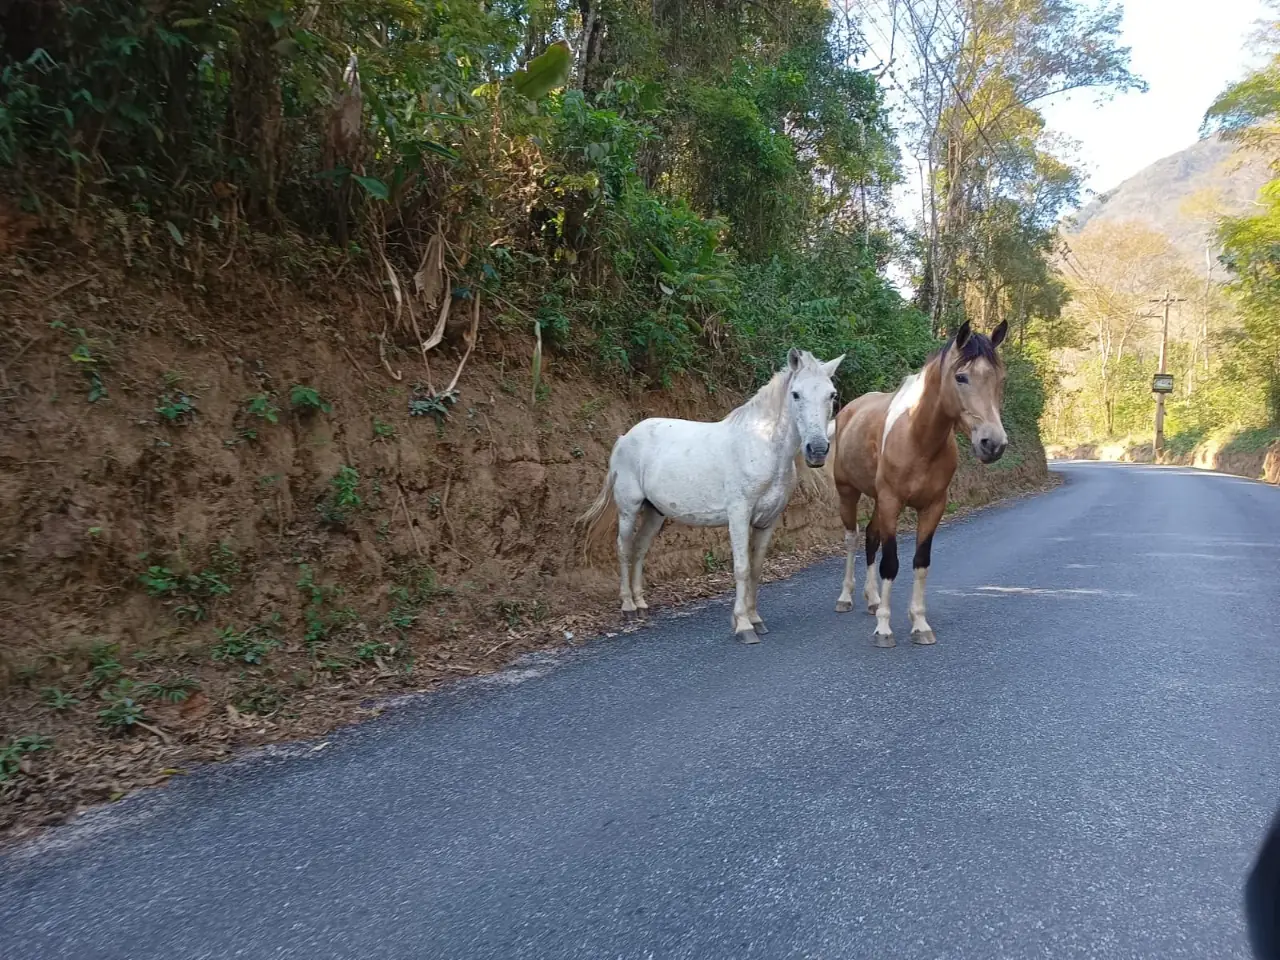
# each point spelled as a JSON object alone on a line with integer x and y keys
{"x": 602, "y": 505}
{"x": 602, "y": 502}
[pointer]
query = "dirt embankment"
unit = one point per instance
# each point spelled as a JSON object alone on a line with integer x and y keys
{"x": 1255, "y": 461}
{"x": 223, "y": 522}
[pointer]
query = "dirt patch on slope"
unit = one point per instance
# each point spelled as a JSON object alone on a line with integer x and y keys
{"x": 223, "y": 523}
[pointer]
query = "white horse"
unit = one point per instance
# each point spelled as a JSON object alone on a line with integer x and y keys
{"x": 739, "y": 473}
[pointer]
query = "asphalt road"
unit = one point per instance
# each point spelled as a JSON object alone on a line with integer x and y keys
{"x": 1082, "y": 767}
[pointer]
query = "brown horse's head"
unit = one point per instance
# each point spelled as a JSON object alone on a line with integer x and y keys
{"x": 973, "y": 388}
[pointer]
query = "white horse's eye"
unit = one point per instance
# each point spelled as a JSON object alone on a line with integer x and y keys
{"x": 795, "y": 394}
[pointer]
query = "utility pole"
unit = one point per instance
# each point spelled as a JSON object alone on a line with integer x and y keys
{"x": 1167, "y": 301}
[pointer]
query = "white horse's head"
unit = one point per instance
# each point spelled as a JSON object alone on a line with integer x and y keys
{"x": 812, "y": 396}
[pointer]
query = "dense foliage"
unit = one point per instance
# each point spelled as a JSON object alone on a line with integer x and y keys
{"x": 707, "y": 185}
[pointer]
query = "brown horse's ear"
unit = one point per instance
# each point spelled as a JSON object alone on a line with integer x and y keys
{"x": 793, "y": 359}
{"x": 999, "y": 333}
{"x": 962, "y": 335}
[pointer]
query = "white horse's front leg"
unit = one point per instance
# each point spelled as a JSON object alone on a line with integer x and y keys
{"x": 740, "y": 538}
{"x": 759, "y": 548}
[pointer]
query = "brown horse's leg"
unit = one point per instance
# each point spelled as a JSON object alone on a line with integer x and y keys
{"x": 647, "y": 527}
{"x": 887, "y": 509}
{"x": 849, "y": 500}
{"x": 759, "y": 547}
{"x": 871, "y": 592}
{"x": 928, "y": 520}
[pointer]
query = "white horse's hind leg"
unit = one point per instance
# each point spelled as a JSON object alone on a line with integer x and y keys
{"x": 647, "y": 527}
{"x": 759, "y": 548}
{"x": 740, "y": 538}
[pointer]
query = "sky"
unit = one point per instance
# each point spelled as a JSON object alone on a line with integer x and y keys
{"x": 1188, "y": 51}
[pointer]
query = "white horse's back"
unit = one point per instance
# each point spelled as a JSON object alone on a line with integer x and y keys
{"x": 682, "y": 467}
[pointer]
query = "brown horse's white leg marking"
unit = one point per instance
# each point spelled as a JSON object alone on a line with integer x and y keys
{"x": 759, "y": 547}
{"x": 928, "y": 519}
{"x": 887, "y": 526}
{"x": 871, "y": 591}
{"x": 845, "y": 603}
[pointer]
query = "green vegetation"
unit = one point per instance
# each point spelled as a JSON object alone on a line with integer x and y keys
{"x": 14, "y": 753}
{"x": 308, "y": 400}
{"x": 194, "y": 592}
{"x": 343, "y": 498}
{"x": 251, "y": 645}
{"x": 124, "y": 709}
{"x": 685, "y": 188}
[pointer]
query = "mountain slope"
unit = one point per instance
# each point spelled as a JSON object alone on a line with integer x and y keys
{"x": 1156, "y": 195}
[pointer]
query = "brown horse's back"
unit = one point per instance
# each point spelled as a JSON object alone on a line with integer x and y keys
{"x": 856, "y": 444}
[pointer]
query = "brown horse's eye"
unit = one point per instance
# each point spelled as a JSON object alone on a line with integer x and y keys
{"x": 962, "y": 378}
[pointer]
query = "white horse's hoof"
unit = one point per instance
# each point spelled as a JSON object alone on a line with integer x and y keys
{"x": 844, "y": 606}
{"x": 883, "y": 640}
{"x": 923, "y": 637}
{"x": 748, "y": 636}
{"x": 760, "y": 628}
{"x": 872, "y": 606}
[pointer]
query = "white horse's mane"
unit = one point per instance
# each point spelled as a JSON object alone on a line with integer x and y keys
{"x": 767, "y": 404}
{"x": 770, "y": 400}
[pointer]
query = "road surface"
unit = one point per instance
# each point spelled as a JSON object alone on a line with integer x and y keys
{"x": 1083, "y": 767}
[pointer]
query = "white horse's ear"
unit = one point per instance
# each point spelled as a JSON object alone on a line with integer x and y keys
{"x": 831, "y": 366}
{"x": 999, "y": 333}
{"x": 794, "y": 359}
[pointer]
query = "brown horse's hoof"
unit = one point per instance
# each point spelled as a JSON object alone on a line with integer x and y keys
{"x": 760, "y": 628}
{"x": 883, "y": 640}
{"x": 747, "y": 636}
{"x": 844, "y": 606}
{"x": 923, "y": 637}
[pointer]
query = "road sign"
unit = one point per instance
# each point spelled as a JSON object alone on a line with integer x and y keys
{"x": 1162, "y": 383}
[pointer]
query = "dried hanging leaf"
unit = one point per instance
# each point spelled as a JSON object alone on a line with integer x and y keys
{"x": 429, "y": 280}
{"x": 471, "y": 336}
{"x": 537, "y": 361}
{"x": 438, "y": 333}
{"x": 395, "y": 288}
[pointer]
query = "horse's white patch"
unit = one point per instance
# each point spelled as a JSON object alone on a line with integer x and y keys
{"x": 904, "y": 401}
{"x": 919, "y": 624}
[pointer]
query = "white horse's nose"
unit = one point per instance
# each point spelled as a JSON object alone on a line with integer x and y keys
{"x": 815, "y": 451}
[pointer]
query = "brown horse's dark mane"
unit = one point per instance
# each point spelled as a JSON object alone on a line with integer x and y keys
{"x": 977, "y": 347}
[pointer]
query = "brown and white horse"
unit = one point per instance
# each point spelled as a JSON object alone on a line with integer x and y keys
{"x": 900, "y": 450}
